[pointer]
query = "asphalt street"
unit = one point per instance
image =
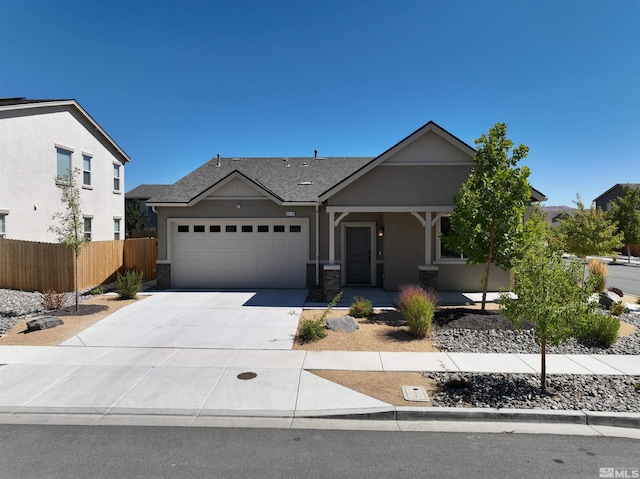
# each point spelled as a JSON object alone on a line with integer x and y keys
{"x": 50, "y": 452}
{"x": 624, "y": 276}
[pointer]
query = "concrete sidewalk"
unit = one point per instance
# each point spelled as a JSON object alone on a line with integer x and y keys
{"x": 197, "y": 383}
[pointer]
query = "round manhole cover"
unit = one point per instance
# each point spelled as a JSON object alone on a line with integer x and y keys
{"x": 247, "y": 375}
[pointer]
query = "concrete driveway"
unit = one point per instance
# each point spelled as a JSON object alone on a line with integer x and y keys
{"x": 260, "y": 319}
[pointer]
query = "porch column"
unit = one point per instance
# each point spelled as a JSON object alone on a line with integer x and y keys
{"x": 427, "y": 272}
{"x": 332, "y": 238}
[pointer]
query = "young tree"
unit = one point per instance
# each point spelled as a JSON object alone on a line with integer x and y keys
{"x": 69, "y": 225}
{"x": 137, "y": 217}
{"x": 588, "y": 232}
{"x": 487, "y": 219}
{"x": 547, "y": 290}
{"x": 626, "y": 213}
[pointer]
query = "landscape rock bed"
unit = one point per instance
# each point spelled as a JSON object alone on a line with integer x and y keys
{"x": 473, "y": 331}
{"x": 522, "y": 391}
{"x": 16, "y": 305}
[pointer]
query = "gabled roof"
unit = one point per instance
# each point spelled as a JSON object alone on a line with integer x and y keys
{"x": 289, "y": 180}
{"x": 144, "y": 192}
{"x": 617, "y": 185}
{"x": 431, "y": 126}
{"x": 21, "y": 103}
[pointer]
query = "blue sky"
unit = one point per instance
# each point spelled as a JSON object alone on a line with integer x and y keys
{"x": 175, "y": 83}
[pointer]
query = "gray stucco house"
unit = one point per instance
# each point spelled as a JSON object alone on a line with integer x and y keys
{"x": 300, "y": 222}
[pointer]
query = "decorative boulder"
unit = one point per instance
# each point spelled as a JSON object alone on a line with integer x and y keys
{"x": 607, "y": 298}
{"x": 344, "y": 323}
{"x": 43, "y": 323}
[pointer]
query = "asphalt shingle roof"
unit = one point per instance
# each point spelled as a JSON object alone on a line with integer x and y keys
{"x": 143, "y": 192}
{"x": 286, "y": 179}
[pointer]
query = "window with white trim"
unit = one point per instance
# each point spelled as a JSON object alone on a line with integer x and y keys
{"x": 86, "y": 170}
{"x": 116, "y": 177}
{"x": 63, "y": 168}
{"x": 3, "y": 233}
{"x": 442, "y": 252}
{"x": 87, "y": 228}
{"x": 116, "y": 228}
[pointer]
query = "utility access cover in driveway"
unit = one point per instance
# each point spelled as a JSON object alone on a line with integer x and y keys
{"x": 260, "y": 319}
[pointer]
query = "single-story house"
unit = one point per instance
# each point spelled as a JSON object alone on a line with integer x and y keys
{"x": 301, "y": 222}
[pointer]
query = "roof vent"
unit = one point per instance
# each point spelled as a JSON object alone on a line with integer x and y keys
{"x": 287, "y": 160}
{"x": 218, "y": 160}
{"x": 304, "y": 163}
{"x": 305, "y": 182}
{"x": 236, "y": 159}
{"x": 315, "y": 153}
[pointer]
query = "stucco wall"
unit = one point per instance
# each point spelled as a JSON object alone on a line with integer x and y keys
{"x": 28, "y": 168}
{"x": 404, "y": 186}
{"x": 460, "y": 277}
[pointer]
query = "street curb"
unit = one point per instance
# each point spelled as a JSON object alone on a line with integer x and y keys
{"x": 400, "y": 413}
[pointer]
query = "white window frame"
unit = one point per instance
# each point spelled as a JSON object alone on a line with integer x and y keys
{"x": 3, "y": 225}
{"x": 439, "y": 258}
{"x": 117, "y": 223}
{"x": 117, "y": 178}
{"x": 87, "y": 234}
{"x": 85, "y": 171}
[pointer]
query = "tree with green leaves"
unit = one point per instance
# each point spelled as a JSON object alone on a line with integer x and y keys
{"x": 625, "y": 211}
{"x": 489, "y": 209}
{"x": 547, "y": 290}
{"x": 588, "y": 232}
{"x": 69, "y": 225}
{"x": 137, "y": 217}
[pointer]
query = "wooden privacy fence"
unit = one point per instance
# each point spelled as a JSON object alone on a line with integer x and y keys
{"x": 32, "y": 266}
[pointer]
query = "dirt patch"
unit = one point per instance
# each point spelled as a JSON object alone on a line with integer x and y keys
{"x": 90, "y": 312}
{"x": 384, "y": 331}
{"x": 385, "y": 386}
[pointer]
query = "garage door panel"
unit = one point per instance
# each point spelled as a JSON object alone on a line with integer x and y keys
{"x": 242, "y": 259}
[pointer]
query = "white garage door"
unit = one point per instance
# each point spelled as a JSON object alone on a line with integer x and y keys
{"x": 239, "y": 253}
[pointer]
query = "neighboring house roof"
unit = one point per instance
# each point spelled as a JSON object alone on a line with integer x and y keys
{"x": 144, "y": 192}
{"x": 21, "y": 103}
{"x": 617, "y": 185}
{"x": 288, "y": 180}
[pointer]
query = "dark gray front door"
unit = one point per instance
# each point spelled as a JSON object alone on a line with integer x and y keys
{"x": 358, "y": 255}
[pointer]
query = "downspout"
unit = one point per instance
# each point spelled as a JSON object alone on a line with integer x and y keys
{"x": 317, "y": 244}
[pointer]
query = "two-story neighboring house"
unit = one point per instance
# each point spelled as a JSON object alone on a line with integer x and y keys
{"x": 616, "y": 191}
{"x": 44, "y": 139}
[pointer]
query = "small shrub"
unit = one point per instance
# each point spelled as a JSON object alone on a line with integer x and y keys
{"x": 600, "y": 329}
{"x": 599, "y": 271}
{"x": 458, "y": 384}
{"x": 311, "y": 330}
{"x": 98, "y": 290}
{"x": 314, "y": 329}
{"x": 417, "y": 306}
{"x": 638, "y": 300}
{"x": 617, "y": 291}
{"x": 361, "y": 307}
{"x": 617, "y": 308}
{"x": 128, "y": 284}
{"x": 53, "y": 300}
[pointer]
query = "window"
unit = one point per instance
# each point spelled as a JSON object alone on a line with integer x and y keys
{"x": 198, "y": 229}
{"x": 278, "y": 229}
{"x": 87, "y": 229}
{"x": 247, "y": 229}
{"x": 116, "y": 228}
{"x": 214, "y": 229}
{"x": 64, "y": 165}
{"x": 230, "y": 228}
{"x": 86, "y": 170}
{"x": 116, "y": 177}
{"x": 263, "y": 229}
{"x": 295, "y": 229}
{"x": 443, "y": 252}
{"x": 183, "y": 228}
{"x": 3, "y": 233}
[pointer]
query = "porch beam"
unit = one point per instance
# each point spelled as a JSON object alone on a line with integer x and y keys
{"x": 389, "y": 209}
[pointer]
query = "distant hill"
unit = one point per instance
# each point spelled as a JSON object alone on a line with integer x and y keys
{"x": 554, "y": 213}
